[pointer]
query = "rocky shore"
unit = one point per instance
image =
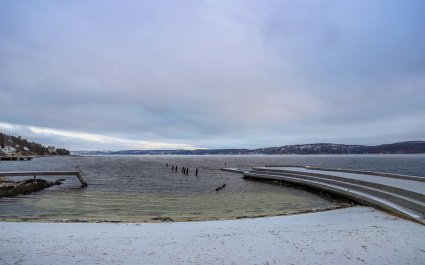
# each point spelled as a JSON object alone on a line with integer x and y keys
{"x": 10, "y": 188}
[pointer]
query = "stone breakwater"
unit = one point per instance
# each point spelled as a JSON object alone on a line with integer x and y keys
{"x": 14, "y": 188}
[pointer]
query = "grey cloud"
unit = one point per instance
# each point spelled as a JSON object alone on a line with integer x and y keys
{"x": 214, "y": 73}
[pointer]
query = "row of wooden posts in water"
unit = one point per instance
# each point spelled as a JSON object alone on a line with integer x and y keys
{"x": 184, "y": 170}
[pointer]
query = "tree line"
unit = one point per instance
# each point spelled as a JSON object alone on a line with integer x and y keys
{"x": 23, "y": 145}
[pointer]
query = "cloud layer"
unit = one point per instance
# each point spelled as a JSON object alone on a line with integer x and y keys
{"x": 212, "y": 74}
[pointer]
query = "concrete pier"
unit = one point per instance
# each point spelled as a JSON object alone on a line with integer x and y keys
{"x": 399, "y": 194}
{"x": 34, "y": 174}
{"x": 234, "y": 169}
{"x": 15, "y": 157}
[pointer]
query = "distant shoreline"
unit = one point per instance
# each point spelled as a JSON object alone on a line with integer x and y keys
{"x": 85, "y": 153}
{"x": 408, "y": 147}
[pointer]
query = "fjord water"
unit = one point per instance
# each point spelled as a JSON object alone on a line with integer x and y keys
{"x": 144, "y": 189}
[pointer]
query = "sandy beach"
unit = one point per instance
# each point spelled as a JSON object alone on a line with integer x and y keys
{"x": 356, "y": 235}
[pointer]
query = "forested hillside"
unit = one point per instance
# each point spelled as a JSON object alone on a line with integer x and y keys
{"x": 25, "y": 147}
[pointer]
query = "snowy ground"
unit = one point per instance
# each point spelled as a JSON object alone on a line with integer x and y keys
{"x": 357, "y": 235}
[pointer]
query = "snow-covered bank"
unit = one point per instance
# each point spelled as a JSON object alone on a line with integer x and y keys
{"x": 357, "y": 235}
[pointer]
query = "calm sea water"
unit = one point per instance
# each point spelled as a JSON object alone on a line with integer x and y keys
{"x": 143, "y": 189}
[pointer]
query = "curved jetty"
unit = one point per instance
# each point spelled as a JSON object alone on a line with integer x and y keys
{"x": 399, "y": 194}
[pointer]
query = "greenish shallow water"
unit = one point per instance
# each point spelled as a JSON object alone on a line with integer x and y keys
{"x": 143, "y": 188}
{"x": 111, "y": 207}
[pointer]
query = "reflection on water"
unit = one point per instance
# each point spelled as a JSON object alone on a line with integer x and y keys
{"x": 144, "y": 189}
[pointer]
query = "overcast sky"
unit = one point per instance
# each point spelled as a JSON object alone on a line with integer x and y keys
{"x": 110, "y": 75}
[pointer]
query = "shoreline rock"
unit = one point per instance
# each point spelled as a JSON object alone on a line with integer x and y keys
{"x": 14, "y": 188}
